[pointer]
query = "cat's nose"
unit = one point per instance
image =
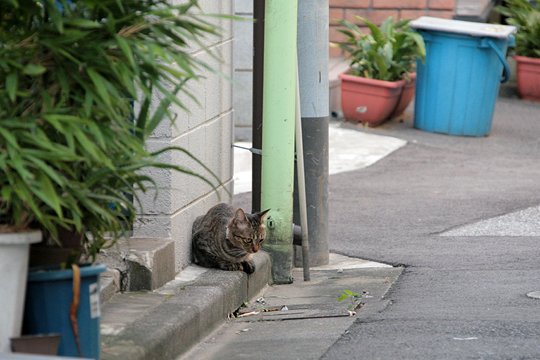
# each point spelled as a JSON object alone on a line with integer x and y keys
{"x": 255, "y": 248}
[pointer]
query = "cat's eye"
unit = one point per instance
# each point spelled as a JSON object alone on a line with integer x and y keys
{"x": 246, "y": 240}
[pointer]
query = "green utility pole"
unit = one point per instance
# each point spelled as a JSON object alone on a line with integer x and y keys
{"x": 279, "y": 110}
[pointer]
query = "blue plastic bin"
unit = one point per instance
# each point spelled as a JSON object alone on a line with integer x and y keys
{"x": 458, "y": 84}
{"x": 48, "y": 299}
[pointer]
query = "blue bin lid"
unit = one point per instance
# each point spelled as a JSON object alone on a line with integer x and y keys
{"x": 463, "y": 27}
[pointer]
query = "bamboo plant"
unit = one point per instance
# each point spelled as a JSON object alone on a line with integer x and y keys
{"x": 72, "y": 148}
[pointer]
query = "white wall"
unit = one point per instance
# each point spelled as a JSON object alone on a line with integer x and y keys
{"x": 207, "y": 132}
{"x": 243, "y": 69}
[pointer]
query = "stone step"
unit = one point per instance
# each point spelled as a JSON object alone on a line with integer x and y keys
{"x": 141, "y": 263}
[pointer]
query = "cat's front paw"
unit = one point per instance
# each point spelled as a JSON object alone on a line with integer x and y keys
{"x": 248, "y": 267}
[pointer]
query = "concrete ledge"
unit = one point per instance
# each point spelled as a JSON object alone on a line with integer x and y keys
{"x": 109, "y": 283}
{"x": 164, "y": 324}
{"x": 144, "y": 263}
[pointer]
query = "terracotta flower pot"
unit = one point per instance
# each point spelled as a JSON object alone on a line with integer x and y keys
{"x": 528, "y": 77}
{"x": 406, "y": 95}
{"x": 369, "y": 101}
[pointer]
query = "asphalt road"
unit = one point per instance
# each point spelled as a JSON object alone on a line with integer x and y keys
{"x": 461, "y": 296}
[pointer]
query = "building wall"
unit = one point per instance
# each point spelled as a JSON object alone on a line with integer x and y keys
{"x": 207, "y": 132}
{"x": 243, "y": 69}
{"x": 378, "y": 10}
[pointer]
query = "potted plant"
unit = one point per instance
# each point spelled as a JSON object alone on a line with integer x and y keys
{"x": 72, "y": 142}
{"x": 380, "y": 81}
{"x": 525, "y": 15}
{"x": 14, "y": 247}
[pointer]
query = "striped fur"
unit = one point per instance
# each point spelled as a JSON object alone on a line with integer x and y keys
{"x": 225, "y": 238}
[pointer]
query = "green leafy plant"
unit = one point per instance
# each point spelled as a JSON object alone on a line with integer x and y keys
{"x": 388, "y": 53}
{"x": 72, "y": 148}
{"x": 526, "y": 17}
{"x": 353, "y": 299}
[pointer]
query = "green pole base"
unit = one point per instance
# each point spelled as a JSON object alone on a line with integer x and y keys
{"x": 282, "y": 262}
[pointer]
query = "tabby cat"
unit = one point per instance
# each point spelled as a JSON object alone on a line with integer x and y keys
{"x": 225, "y": 238}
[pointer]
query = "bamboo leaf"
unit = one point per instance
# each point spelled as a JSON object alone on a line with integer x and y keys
{"x": 83, "y": 23}
{"x": 48, "y": 170}
{"x": 9, "y": 137}
{"x": 12, "y": 81}
{"x": 101, "y": 86}
{"x": 124, "y": 46}
{"x": 48, "y": 195}
{"x": 34, "y": 69}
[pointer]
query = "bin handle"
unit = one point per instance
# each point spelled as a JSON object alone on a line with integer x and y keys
{"x": 506, "y": 67}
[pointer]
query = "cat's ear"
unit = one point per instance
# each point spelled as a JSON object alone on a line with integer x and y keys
{"x": 240, "y": 215}
{"x": 263, "y": 215}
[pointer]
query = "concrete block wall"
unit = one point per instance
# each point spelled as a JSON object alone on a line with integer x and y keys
{"x": 378, "y": 10}
{"x": 243, "y": 69}
{"x": 207, "y": 132}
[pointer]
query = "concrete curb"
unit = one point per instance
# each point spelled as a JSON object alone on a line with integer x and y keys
{"x": 165, "y": 323}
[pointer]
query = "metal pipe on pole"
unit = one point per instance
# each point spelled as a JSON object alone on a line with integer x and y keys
{"x": 301, "y": 183}
{"x": 258, "y": 64}
{"x": 279, "y": 111}
{"x": 314, "y": 93}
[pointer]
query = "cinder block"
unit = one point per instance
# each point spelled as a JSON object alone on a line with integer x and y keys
{"x": 243, "y": 44}
{"x": 226, "y": 7}
{"x": 226, "y": 151}
{"x": 199, "y": 148}
{"x": 243, "y": 7}
{"x": 243, "y": 134}
{"x": 150, "y": 263}
{"x": 139, "y": 263}
{"x": 181, "y": 234}
{"x": 211, "y": 83}
{"x": 211, "y": 7}
{"x": 157, "y": 201}
{"x": 213, "y": 144}
{"x": 242, "y": 98}
{"x": 152, "y": 225}
{"x": 196, "y": 106}
{"x": 226, "y": 81}
{"x": 219, "y": 146}
{"x": 109, "y": 283}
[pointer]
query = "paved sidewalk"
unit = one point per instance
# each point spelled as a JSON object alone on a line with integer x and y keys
{"x": 349, "y": 150}
{"x": 301, "y": 320}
